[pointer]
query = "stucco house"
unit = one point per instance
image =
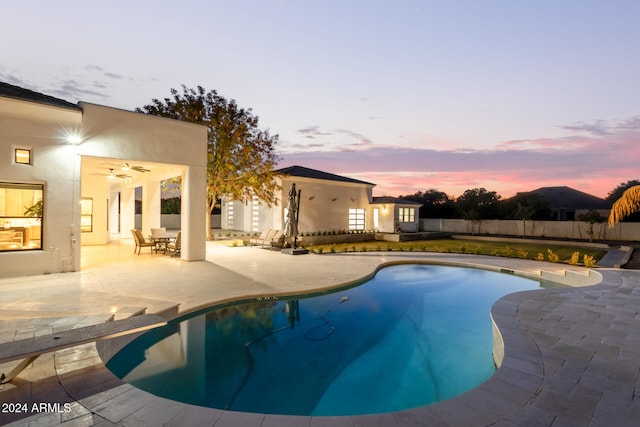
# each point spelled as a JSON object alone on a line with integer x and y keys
{"x": 329, "y": 202}
{"x": 68, "y": 174}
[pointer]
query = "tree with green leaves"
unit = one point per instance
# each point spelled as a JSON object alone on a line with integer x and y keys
{"x": 592, "y": 217}
{"x": 478, "y": 204}
{"x": 241, "y": 157}
{"x": 525, "y": 206}
{"x": 435, "y": 204}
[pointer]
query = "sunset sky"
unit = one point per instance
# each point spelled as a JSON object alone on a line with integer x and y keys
{"x": 411, "y": 95}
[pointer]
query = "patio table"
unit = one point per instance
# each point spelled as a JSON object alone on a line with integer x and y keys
{"x": 161, "y": 241}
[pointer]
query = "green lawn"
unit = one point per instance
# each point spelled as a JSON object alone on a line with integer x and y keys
{"x": 535, "y": 251}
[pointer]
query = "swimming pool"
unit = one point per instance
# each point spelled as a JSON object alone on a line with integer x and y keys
{"x": 411, "y": 336}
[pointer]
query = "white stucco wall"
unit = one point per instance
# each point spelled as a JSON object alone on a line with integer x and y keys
{"x": 43, "y": 128}
{"x": 325, "y": 205}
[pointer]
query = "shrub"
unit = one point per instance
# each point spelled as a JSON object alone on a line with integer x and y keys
{"x": 332, "y": 249}
{"x": 540, "y": 257}
{"x": 508, "y": 252}
{"x": 552, "y": 256}
{"x": 320, "y": 250}
{"x": 575, "y": 258}
{"x": 588, "y": 261}
{"x": 522, "y": 253}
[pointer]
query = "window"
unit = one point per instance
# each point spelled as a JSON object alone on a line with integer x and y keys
{"x": 356, "y": 219}
{"x": 86, "y": 214}
{"x": 22, "y": 155}
{"x": 376, "y": 215}
{"x": 21, "y": 214}
{"x": 406, "y": 214}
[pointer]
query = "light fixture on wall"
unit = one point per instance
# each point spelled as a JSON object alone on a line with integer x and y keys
{"x": 74, "y": 138}
{"x": 23, "y": 156}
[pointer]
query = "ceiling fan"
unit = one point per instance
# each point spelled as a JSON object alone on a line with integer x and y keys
{"x": 112, "y": 175}
{"x": 127, "y": 166}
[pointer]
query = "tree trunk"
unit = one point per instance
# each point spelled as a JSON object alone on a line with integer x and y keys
{"x": 207, "y": 220}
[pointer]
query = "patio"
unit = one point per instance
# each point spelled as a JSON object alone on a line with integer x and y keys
{"x": 571, "y": 355}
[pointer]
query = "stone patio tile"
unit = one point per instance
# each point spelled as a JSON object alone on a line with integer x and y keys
{"x": 518, "y": 393}
{"x": 190, "y": 415}
{"x": 518, "y": 377}
{"x": 531, "y": 416}
{"x": 123, "y": 405}
{"x": 154, "y": 413}
{"x": 418, "y": 417}
{"x": 244, "y": 419}
{"x": 94, "y": 400}
{"x": 331, "y": 422}
{"x": 273, "y": 420}
{"x": 375, "y": 420}
{"x": 605, "y": 418}
{"x": 81, "y": 421}
{"x": 45, "y": 419}
{"x": 101, "y": 422}
{"x": 91, "y": 383}
{"x": 455, "y": 413}
{"x": 526, "y": 366}
{"x": 498, "y": 406}
{"x": 564, "y": 407}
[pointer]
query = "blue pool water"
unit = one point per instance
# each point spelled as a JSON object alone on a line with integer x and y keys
{"x": 411, "y": 336}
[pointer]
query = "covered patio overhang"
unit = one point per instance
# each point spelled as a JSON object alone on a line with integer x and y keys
{"x": 123, "y": 151}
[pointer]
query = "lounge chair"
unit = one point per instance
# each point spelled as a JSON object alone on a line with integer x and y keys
{"x": 277, "y": 240}
{"x": 140, "y": 241}
{"x": 175, "y": 245}
{"x": 264, "y": 238}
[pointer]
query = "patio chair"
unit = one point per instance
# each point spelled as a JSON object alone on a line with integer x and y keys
{"x": 159, "y": 232}
{"x": 140, "y": 241}
{"x": 175, "y": 245}
{"x": 264, "y": 238}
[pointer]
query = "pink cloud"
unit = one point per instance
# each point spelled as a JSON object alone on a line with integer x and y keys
{"x": 596, "y": 163}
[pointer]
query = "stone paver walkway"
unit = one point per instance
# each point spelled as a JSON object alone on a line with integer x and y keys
{"x": 572, "y": 355}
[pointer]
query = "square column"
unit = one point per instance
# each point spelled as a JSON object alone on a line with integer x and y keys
{"x": 194, "y": 211}
{"x": 127, "y": 211}
{"x": 151, "y": 217}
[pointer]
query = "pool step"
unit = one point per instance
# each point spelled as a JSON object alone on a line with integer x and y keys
{"x": 572, "y": 277}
